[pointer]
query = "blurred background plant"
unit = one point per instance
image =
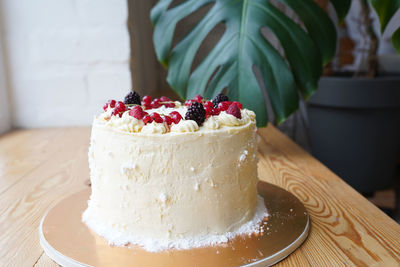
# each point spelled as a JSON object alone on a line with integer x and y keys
{"x": 270, "y": 55}
{"x": 289, "y": 64}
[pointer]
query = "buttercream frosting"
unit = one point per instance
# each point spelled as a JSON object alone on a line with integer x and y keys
{"x": 167, "y": 184}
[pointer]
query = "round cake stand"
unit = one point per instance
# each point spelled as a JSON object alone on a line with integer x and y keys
{"x": 69, "y": 242}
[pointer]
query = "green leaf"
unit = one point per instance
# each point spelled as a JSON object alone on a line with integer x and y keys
{"x": 385, "y": 10}
{"x": 341, "y": 8}
{"x": 396, "y": 40}
{"x": 231, "y": 63}
{"x": 319, "y": 26}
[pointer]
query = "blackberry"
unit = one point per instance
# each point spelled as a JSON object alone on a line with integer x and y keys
{"x": 132, "y": 98}
{"x": 218, "y": 99}
{"x": 196, "y": 112}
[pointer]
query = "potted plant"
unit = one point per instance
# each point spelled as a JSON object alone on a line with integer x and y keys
{"x": 245, "y": 63}
{"x": 354, "y": 117}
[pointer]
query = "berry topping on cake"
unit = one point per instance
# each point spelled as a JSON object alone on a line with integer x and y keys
{"x": 234, "y": 110}
{"x": 198, "y": 98}
{"x": 156, "y": 117}
{"x": 146, "y": 100}
{"x": 168, "y": 120}
{"x": 223, "y": 106}
{"x": 155, "y": 103}
{"x": 116, "y": 113}
{"x": 238, "y": 104}
{"x": 110, "y": 103}
{"x": 137, "y": 112}
{"x": 189, "y": 102}
{"x": 219, "y": 98}
{"x": 164, "y": 113}
{"x": 164, "y": 99}
{"x": 216, "y": 112}
{"x": 176, "y": 116}
{"x": 120, "y": 106}
{"x": 147, "y": 119}
{"x": 209, "y": 108}
{"x": 196, "y": 112}
{"x": 119, "y": 109}
{"x": 132, "y": 98}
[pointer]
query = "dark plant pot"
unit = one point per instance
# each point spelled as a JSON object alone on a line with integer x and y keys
{"x": 354, "y": 126}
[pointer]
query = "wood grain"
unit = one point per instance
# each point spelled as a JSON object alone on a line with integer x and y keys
{"x": 45, "y": 261}
{"x": 62, "y": 171}
{"x": 346, "y": 228}
{"x": 39, "y": 167}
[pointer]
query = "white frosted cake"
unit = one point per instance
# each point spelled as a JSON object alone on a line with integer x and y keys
{"x": 166, "y": 175}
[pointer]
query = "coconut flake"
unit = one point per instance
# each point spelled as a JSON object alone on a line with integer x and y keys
{"x": 119, "y": 238}
{"x": 128, "y": 166}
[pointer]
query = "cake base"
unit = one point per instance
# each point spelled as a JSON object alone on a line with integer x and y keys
{"x": 69, "y": 242}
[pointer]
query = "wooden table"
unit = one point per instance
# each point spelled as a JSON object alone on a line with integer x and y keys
{"x": 39, "y": 167}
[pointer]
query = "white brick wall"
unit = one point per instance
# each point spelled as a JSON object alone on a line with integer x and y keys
{"x": 5, "y": 120}
{"x": 65, "y": 58}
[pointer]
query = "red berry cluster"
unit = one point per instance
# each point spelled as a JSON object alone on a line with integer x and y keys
{"x": 148, "y": 103}
{"x": 110, "y": 103}
{"x": 211, "y": 108}
{"x": 138, "y": 113}
{"x": 119, "y": 107}
{"x": 231, "y": 107}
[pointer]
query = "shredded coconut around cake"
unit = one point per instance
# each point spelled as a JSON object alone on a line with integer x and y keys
{"x": 243, "y": 157}
{"x": 128, "y": 166}
{"x": 118, "y": 238}
{"x": 163, "y": 197}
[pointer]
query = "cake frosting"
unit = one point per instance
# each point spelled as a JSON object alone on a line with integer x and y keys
{"x": 177, "y": 185}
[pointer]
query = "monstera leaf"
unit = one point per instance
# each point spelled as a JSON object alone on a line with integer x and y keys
{"x": 386, "y": 10}
{"x": 242, "y": 48}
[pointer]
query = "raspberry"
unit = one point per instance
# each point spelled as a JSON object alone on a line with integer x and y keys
{"x": 110, "y": 103}
{"x": 198, "y": 98}
{"x": 234, "y": 110}
{"x": 115, "y": 112}
{"x": 146, "y": 100}
{"x": 196, "y": 112}
{"x": 238, "y": 104}
{"x": 147, "y": 106}
{"x": 188, "y": 102}
{"x": 218, "y": 99}
{"x": 168, "y": 120}
{"x": 170, "y": 105}
{"x": 137, "y": 112}
{"x": 176, "y": 116}
{"x": 155, "y": 103}
{"x": 120, "y": 106}
{"x": 132, "y": 98}
{"x": 156, "y": 117}
{"x": 167, "y": 102}
{"x": 147, "y": 119}
{"x": 164, "y": 99}
{"x": 208, "y": 106}
{"x": 119, "y": 109}
{"x": 216, "y": 112}
{"x": 224, "y": 105}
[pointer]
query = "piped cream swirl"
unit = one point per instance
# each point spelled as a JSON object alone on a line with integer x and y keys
{"x": 212, "y": 123}
{"x": 185, "y": 126}
{"x": 228, "y": 119}
{"x": 154, "y": 128}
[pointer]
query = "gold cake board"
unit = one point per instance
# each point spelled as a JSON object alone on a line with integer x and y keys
{"x": 69, "y": 242}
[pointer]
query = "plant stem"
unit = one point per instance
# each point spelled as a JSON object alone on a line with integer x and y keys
{"x": 372, "y": 59}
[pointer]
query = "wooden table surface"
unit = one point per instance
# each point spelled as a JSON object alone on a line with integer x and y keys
{"x": 39, "y": 167}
